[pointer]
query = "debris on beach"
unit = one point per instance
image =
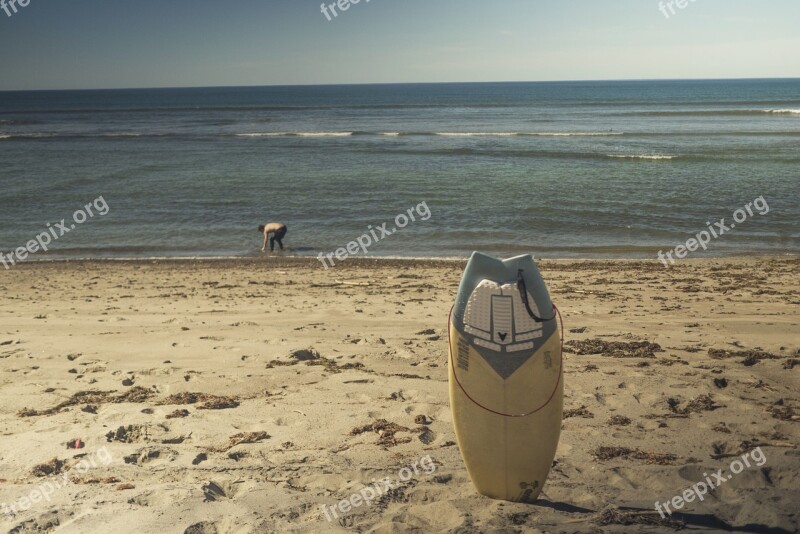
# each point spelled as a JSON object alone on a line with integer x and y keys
{"x": 422, "y": 420}
{"x": 133, "y": 395}
{"x": 177, "y": 414}
{"x": 703, "y": 403}
{"x": 94, "y": 480}
{"x": 127, "y": 434}
{"x": 209, "y": 402}
{"x": 578, "y": 412}
{"x": 244, "y": 438}
{"x": 614, "y": 516}
{"x": 76, "y": 443}
{"x": 791, "y": 363}
{"x": 784, "y": 412}
{"x": 613, "y": 349}
{"x": 386, "y": 432}
{"x": 609, "y": 453}
{"x": 53, "y": 467}
{"x": 312, "y": 358}
{"x": 749, "y": 357}
{"x": 619, "y": 420}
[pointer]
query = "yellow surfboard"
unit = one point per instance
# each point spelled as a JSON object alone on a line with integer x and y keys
{"x": 505, "y": 369}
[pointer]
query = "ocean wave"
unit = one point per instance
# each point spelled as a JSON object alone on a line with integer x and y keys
{"x": 527, "y": 134}
{"x": 324, "y": 134}
{"x": 4, "y": 136}
{"x": 263, "y": 134}
{"x": 295, "y": 134}
{"x": 641, "y": 156}
{"x": 475, "y": 134}
{"x": 712, "y": 113}
{"x": 30, "y": 136}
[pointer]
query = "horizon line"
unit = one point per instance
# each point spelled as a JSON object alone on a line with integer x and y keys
{"x": 165, "y": 87}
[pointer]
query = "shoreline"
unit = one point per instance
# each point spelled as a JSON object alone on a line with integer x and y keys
{"x": 411, "y": 261}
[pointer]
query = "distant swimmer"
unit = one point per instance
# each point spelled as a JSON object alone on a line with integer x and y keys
{"x": 278, "y": 231}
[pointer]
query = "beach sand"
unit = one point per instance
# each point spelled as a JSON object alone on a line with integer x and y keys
{"x": 239, "y": 396}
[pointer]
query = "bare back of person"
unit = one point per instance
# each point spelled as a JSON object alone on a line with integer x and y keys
{"x": 278, "y": 231}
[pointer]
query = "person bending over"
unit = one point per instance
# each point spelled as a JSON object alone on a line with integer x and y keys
{"x": 278, "y": 230}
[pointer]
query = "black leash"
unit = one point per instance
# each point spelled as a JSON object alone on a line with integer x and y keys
{"x": 523, "y": 291}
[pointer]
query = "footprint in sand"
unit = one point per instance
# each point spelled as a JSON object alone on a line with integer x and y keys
{"x": 46, "y": 522}
{"x": 204, "y": 527}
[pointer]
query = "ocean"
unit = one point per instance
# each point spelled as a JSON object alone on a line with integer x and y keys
{"x": 560, "y": 170}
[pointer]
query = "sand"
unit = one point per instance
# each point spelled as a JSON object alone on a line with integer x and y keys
{"x": 241, "y": 396}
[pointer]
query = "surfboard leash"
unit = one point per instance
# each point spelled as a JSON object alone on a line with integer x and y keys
{"x": 523, "y": 293}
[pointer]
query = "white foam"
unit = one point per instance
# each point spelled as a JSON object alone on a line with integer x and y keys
{"x": 324, "y": 134}
{"x": 391, "y": 134}
{"x": 784, "y": 111}
{"x": 528, "y": 134}
{"x": 641, "y": 156}
{"x": 475, "y": 134}
{"x": 574, "y": 134}
{"x": 4, "y": 136}
{"x": 297, "y": 134}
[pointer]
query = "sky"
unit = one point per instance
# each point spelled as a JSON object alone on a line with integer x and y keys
{"x": 87, "y": 44}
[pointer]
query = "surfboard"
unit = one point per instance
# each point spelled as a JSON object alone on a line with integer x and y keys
{"x": 505, "y": 374}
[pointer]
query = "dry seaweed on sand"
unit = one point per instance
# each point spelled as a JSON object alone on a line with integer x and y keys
{"x": 749, "y": 357}
{"x": 614, "y": 349}
{"x": 386, "y": 432}
{"x": 578, "y": 412}
{"x": 784, "y": 412}
{"x": 615, "y": 516}
{"x": 135, "y": 394}
{"x": 127, "y": 434}
{"x": 244, "y": 438}
{"x": 619, "y": 420}
{"x": 609, "y": 453}
{"x": 210, "y": 402}
{"x": 219, "y": 403}
{"x": 703, "y": 403}
{"x": 330, "y": 365}
{"x": 791, "y": 363}
{"x": 53, "y": 467}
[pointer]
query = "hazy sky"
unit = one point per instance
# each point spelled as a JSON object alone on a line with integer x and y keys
{"x": 156, "y": 43}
